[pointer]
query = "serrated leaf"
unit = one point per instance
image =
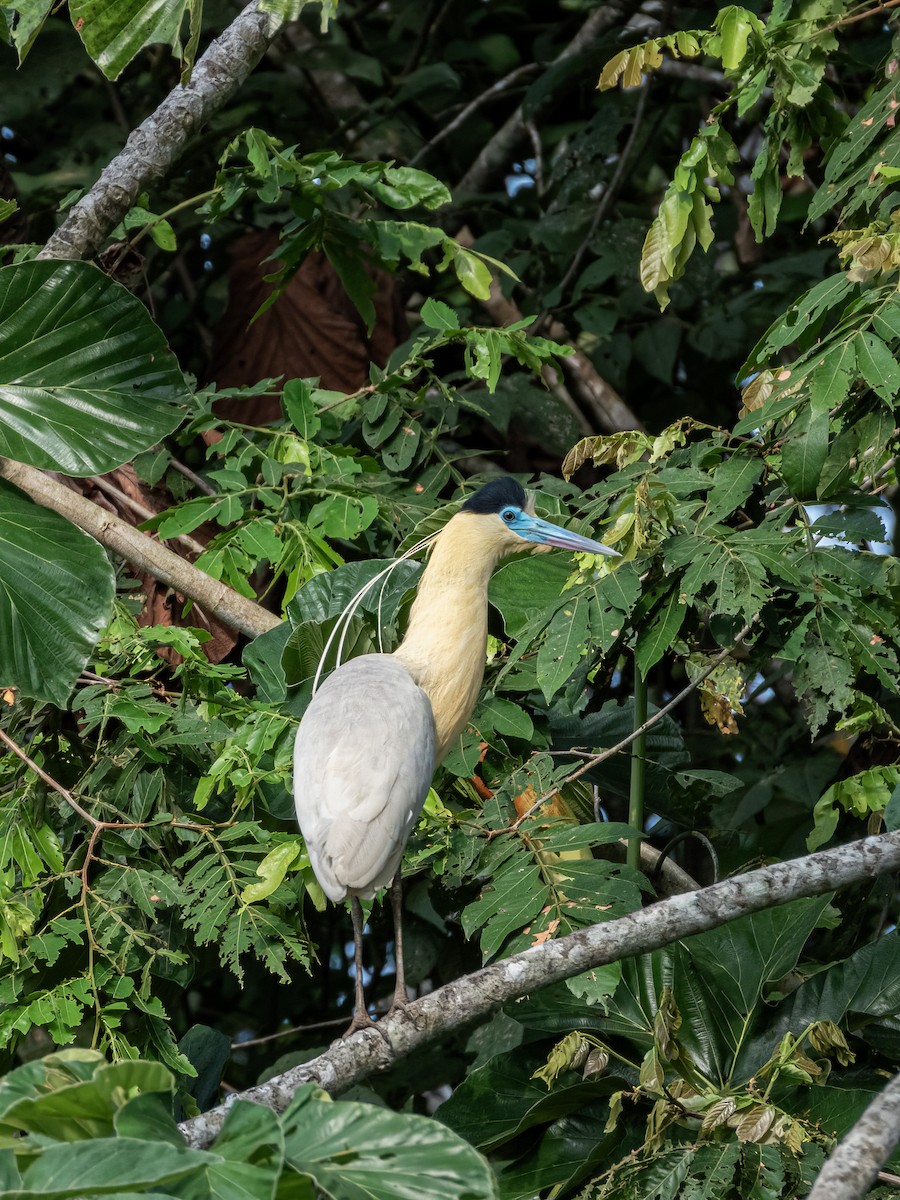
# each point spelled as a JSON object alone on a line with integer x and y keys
{"x": 513, "y": 898}
{"x": 830, "y": 380}
{"x": 656, "y": 636}
{"x": 804, "y": 452}
{"x": 732, "y": 484}
{"x": 563, "y": 646}
{"x": 877, "y": 365}
{"x": 437, "y": 315}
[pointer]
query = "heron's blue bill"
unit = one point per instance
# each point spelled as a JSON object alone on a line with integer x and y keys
{"x": 533, "y": 529}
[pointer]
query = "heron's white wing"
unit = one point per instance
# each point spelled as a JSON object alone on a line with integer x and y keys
{"x": 363, "y": 762}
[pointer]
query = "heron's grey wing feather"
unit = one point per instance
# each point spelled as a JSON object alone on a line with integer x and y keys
{"x": 363, "y": 762}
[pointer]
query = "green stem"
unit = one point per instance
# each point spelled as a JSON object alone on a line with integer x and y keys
{"x": 638, "y": 758}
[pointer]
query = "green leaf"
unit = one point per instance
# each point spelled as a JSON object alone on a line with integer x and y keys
{"x": 734, "y": 26}
{"x": 563, "y": 646}
{"x": 114, "y": 33}
{"x": 406, "y": 187}
{"x": 108, "y": 1165}
{"x": 804, "y": 452}
{"x": 437, "y": 315}
{"x": 252, "y": 1144}
{"x": 86, "y": 378}
{"x": 501, "y": 1099}
{"x": 300, "y": 408}
{"x": 271, "y": 871}
{"x": 472, "y": 272}
{"x": 733, "y": 482}
{"x": 656, "y": 636}
{"x": 514, "y": 897}
{"x": 350, "y": 1150}
{"x": 56, "y": 594}
{"x": 830, "y": 380}
{"x": 25, "y": 19}
{"x": 877, "y": 365}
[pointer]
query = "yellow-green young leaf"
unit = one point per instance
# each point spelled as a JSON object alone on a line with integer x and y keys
{"x": 272, "y": 871}
{"x": 570, "y": 1054}
{"x": 615, "y": 1111}
{"x": 164, "y": 235}
{"x": 686, "y": 44}
{"x": 701, "y": 212}
{"x": 653, "y": 269}
{"x": 613, "y": 70}
{"x": 734, "y": 26}
{"x": 634, "y": 67}
{"x": 472, "y": 273}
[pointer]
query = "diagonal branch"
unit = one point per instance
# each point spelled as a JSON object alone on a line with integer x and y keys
{"x": 850, "y": 1171}
{"x": 474, "y": 996}
{"x": 160, "y": 140}
{"x": 216, "y": 598}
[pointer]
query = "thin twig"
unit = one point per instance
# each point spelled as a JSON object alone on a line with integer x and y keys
{"x": 273, "y": 1037}
{"x": 141, "y": 510}
{"x": 197, "y": 480}
{"x": 605, "y": 200}
{"x": 50, "y": 781}
{"x": 491, "y": 93}
{"x": 861, "y": 16}
{"x": 596, "y": 759}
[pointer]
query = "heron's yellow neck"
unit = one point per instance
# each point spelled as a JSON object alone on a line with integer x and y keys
{"x": 445, "y": 643}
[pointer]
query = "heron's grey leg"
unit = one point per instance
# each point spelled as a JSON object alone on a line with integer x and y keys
{"x": 361, "y": 1018}
{"x": 400, "y": 997}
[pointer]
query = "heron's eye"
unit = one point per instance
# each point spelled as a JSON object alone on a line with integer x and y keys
{"x": 508, "y": 515}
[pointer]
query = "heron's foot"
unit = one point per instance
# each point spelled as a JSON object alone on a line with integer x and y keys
{"x": 362, "y": 1020}
{"x": 400, "y": 1000}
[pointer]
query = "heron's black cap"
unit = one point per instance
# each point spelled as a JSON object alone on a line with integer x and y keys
{"x": 496, "y": 495}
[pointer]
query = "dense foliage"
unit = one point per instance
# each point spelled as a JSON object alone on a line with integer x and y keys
{"x": 721, "y": 214}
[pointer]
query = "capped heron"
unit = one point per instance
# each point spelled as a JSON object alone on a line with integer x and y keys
{"x": 374, "y": 732}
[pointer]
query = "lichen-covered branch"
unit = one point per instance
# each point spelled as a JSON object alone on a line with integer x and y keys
{"x": 215, "y": 598}
{"x": 160, "y": 140}
{"x": 474, "y": 996}
{"x": 851, "y": 1170}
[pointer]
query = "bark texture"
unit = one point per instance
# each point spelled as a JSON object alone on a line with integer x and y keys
{"x": 159, "y": 141}
{"x": 474, "y": 996}
{"x": 851, "y": 1170}
{"x": 148, "y": 556}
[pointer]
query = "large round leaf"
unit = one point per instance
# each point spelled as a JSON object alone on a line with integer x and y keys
{"x": 352, "y": 1150}
{"x": 86, "y": 378}
{"x": 56, "y": 594}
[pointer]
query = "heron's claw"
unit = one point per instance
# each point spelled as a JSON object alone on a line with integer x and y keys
{"x": 364, "y": 1021}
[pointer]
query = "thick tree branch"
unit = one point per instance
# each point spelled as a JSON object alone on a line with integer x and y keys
{"x": 160, "y": 140}
{"x": 851, "y": 1170}
{"x": 216, "y": 599}
{"x": 474, "y": 996}
{"x": 498, "y": 152}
